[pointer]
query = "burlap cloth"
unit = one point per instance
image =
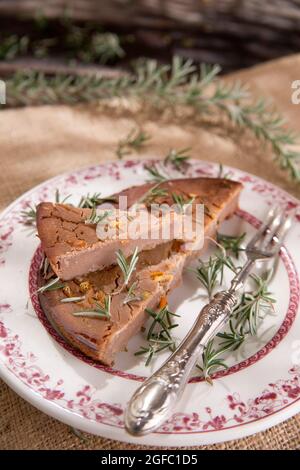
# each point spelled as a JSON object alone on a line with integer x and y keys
{"x": 38, "y": 143}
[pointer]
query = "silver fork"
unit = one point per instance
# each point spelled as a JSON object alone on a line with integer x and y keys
{"x": 154, "y": 401}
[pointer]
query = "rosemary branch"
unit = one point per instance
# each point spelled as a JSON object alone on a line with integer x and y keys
{"x": 100, "y": 311}
{"x": 159, "y": 334}
{"x": 135, "y": 140}
{"x": 180, "y": 83}
{"x": 95, "y": 218}
{"x": 126, "y": 267}
{"x": 90, "y": 201}
{"x": 247, "y": 315}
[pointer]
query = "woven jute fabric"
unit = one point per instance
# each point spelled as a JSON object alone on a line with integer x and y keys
{"x": 38, "y": 143}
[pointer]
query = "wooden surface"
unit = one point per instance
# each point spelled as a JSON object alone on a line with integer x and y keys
{"x": 232, "y": 33}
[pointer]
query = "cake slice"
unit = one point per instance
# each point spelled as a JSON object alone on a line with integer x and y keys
{"x": 158, "y": 271}
{"x": 73, "y": 247}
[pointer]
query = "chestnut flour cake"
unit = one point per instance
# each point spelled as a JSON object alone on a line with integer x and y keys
{"x": 63, "y": 233}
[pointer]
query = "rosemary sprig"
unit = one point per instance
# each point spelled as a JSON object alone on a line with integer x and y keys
{"x": 101, "y": 47}
{"x": 53, "y": 284}
{"x": 13, "y": 46}
{"x": 127, "y": 268}
{"x": 90, "y": 201}
{"x": 179, "y": 83}
{"x": 95, "y": 218}
{"x": 135, "y": 140}
{"x": 178, "y": 158}
{"x": 211, "y": 360}
{"x": 247, "y": 312}
{"x": 211, "y": 356}
{"x": 152, "y": 194}
{"x": 181, "y": 203}
{"x": 231, "y": 243}
{"x": 233, "y": 339}
{"x": 159, "y": 335}
{"x": 155, "y": 173}
{"x": 131, "y": 296}
{"x": 29, "y": 216}
{"x": 222, "y": 174}
{"x": 244, "y": 322}
{"x": 72, "y": 299}
{"x": 211, "y": 272}
{"x": 58, "y": 199}
{"x": 99, "y": 311}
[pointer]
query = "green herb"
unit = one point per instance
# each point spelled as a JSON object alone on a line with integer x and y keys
{"x": 155, "y": 173}
{"x": 159, "y": 335}
{"x": 53, "y": 284}
{"x": 152, "y": 194}
{"x": 131, "y": 295}
{"x": 222, "y": 174}
{"x": 182, "y": 203}
{"x": 180, "y": 83}
{"x": 29, "y": 216}
{"x": 127, "y": 268}
{"x": 95, "y": 218}
{"x": 135, "y": 140}
{"x": 247, "y": 312}
{"x": 233, "y": 339}
{"x": 72, "y": 299}
{"x": 99, "y": 311}
{"x": 231, "y": 243}
{"x": 89, "y": 202}
{"x": 178, "y": 158}
{"x": 244, "y": 322}
{"x": 211, "y": 272}
{"x": 13, "y": 46}
{"x": 102, "y": 47}
{"x": 58, "y": 199}
{"x": 211, "y": 360}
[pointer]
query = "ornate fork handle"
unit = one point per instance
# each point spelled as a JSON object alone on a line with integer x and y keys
{"x": 154, "y": 401}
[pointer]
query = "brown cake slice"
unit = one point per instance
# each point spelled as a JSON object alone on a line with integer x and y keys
{"x": 158, "y": 271}
{"x": 73, "y": 247}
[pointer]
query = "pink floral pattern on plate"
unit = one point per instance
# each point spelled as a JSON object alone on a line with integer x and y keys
{"x": 275, "y": 397}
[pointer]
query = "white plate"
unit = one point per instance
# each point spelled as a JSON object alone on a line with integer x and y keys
{"x": 261, "y": 388}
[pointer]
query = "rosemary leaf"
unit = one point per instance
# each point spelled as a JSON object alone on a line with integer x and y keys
{"x": 155, "y": 174}
{"x": 135, "y": 140}
{"x": 152, "y": 194}
{"x": 72, "y": 299}
{"x": 99, "y": 311}
{"x": 53, "y": 284}
{"x": 131, "y": 295}
{"x": 232, "y": 243}
{"x": 29, "y": 216}
{"x": 58, "y": 199}
{"x": 91, "y": 201}
{"x": 178, "y": 158}
{"x": 181, "y": 203}
{"x": 127, "y": 268}
{"x": 159, "y": 334}
{"x": 95, "y": 218}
